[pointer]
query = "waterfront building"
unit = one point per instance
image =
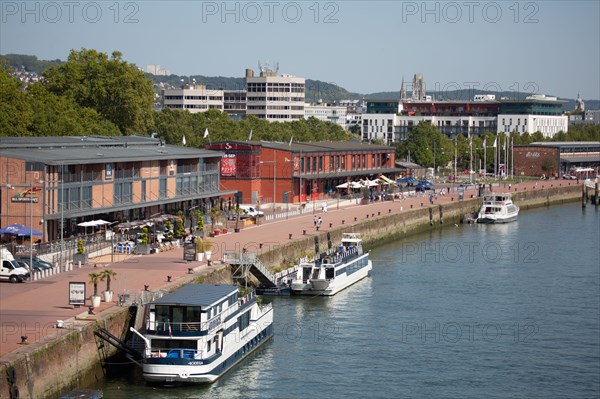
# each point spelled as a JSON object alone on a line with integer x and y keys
{"x": 52, "y": 181}
{"x": 274, "y": 97}
{"x": 529, "y": 159}
{"x": 392, "y": 121}
{"x": 326, "y": 112}
{"x": 537, "y": 113}
{"x": 298, "y": 172}
{"x": 193, "y": 98}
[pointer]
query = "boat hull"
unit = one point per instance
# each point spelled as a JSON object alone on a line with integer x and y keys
{"x": 333, "y": 286}
{"x": 191, "y": 371}
{"x": 489, "y": 220}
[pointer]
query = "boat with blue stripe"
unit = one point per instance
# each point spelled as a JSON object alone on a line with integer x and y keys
{"x": 200, "y": 331}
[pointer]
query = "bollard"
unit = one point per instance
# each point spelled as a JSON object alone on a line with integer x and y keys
{"x": 355, "y": 218}
{"x": 411, "y": 205}
{"x": 209, "y": 262}
{"x": 190, "y": 270}
{"x": 169, "y": 279}
{"x": 91, "y": 310}
{"x": 343, "y": 221}
{"x": 367, "y": 215}
{"x": 260, "y": 245}
{"x": 24, "y": 339}
{"x": 389, "y": 211}
{"x": 146, "y": 286}
{"x": 303, "y": 232}
{"x": 79, "y": 266}
{"x": 330, "y": 225}
{"x": 421, "y": 204}
{"x": 290, "y": 234}
{"x": 401, "y": 208}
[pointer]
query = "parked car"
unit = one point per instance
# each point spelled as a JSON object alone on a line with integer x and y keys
{"x": 423, "y": 186}
{"x": 569, "y": 177}
{"x": 250, "y": 212}
{"x": 37, "y": 263}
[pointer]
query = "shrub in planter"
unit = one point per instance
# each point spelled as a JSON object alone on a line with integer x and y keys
{"x": 80, "y": 256}
{"x": 144, "y": 246}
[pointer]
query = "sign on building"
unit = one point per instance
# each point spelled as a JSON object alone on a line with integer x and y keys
{"x": 228, "y": 165}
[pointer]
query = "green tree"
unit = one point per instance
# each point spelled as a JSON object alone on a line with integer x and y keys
{"x": 16, "y": 113}
{"x": 117, "y": 90}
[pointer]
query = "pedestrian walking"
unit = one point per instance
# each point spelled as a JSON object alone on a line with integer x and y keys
{"x": 319, "y": 221}
{"x": 315, "y": 221}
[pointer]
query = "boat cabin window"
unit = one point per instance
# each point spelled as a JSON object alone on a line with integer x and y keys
{"x": 178, "y": 318}
{"x": 329, "y": 273}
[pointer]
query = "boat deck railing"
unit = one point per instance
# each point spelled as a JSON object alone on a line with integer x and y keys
{"x": 176, "y": 353}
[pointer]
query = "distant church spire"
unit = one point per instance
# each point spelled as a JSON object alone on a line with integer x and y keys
{"x": 402, "y": 90}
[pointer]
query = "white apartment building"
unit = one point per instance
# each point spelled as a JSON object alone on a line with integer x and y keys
{"x": 548, "y": 125}
{"x": 326, "y": 112}
{"x": 274, "y": 98}
{"x": 193, "y": 98}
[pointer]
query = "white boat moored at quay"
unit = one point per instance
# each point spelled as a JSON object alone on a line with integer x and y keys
{"x": 497, "y": 208}
{"x": 199, "y": 332}
{"x": 334, "y": 270}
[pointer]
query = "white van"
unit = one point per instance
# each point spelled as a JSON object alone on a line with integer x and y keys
{"x": 10, "y": 269}
{"x": 248, "y": 211}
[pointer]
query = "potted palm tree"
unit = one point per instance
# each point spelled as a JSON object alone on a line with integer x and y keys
{"x": 199, "y": 249}
{"x": 214, "y": 215}
{"x": 95, "y": 279}
{"x": 107, "y": 275}
{"x": 207, "y": 248}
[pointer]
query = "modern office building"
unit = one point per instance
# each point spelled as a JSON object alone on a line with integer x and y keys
{"x": 274, "y": 97}
{"x": 49, "y": 182}
{"x": 298, "y": 172}
{"x": 327, "y": 113}
{"x": 193, "y": 98}
{"x": 234, "y": 103}
{"x": 537, "y": 113}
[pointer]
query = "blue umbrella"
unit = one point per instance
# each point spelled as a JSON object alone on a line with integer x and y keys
{"x": 19, "y": 230}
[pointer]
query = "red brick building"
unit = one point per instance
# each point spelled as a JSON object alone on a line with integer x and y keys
{"x": 263, "y": 171}
{"x": 565, "y": 156}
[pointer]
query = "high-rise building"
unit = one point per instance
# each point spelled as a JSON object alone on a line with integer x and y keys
{"x": 274, "y": 98}
{"x": 193, "y": 98}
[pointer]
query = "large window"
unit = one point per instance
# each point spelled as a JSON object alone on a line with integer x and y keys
{"x": 123, "y": 192}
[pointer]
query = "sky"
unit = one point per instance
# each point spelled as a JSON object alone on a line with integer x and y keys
{"x": 549, "y": 47}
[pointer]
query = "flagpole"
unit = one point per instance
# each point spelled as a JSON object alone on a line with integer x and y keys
{"x": 470, "y": 158}
{"x": 484, "y": 156}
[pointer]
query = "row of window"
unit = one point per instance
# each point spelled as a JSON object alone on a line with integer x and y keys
{"x": 353, "y": 267}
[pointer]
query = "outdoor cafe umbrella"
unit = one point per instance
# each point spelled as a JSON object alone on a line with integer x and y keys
{"x": 19, "y": 230}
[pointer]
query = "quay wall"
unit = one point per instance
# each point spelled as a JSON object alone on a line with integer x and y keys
{"x": 69, "y": 357}
{"x": 73, "y": 355}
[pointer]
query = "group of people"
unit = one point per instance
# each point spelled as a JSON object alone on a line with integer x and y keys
{"x": 317, "y": 222}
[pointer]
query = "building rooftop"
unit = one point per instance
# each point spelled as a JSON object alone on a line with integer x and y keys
{"x": 316, "y": 146}
{"x": 197, "y": 295}
{"x": 66, "y": 150}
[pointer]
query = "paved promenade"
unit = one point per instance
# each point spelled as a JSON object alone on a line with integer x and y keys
{"x": 32, "y": 308}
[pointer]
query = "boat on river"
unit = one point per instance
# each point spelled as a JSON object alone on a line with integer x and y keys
{"x": 200, "y": 331}
{"x": 497, "y": 208}
{"x": 334, "y": 270}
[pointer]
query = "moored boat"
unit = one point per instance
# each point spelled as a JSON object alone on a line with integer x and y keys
{"x": 497, "y": 208}
{"x": 199, "y": 332}
{"x": 333, "y": 270}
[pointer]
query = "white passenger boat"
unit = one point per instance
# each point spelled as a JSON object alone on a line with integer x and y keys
{"x": 334, "y": 270}
{"x": 497, "y": 208}
{"x": 199, "y": 332}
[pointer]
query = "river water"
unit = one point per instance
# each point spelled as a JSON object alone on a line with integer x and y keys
{"x": 466, "y": 311}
